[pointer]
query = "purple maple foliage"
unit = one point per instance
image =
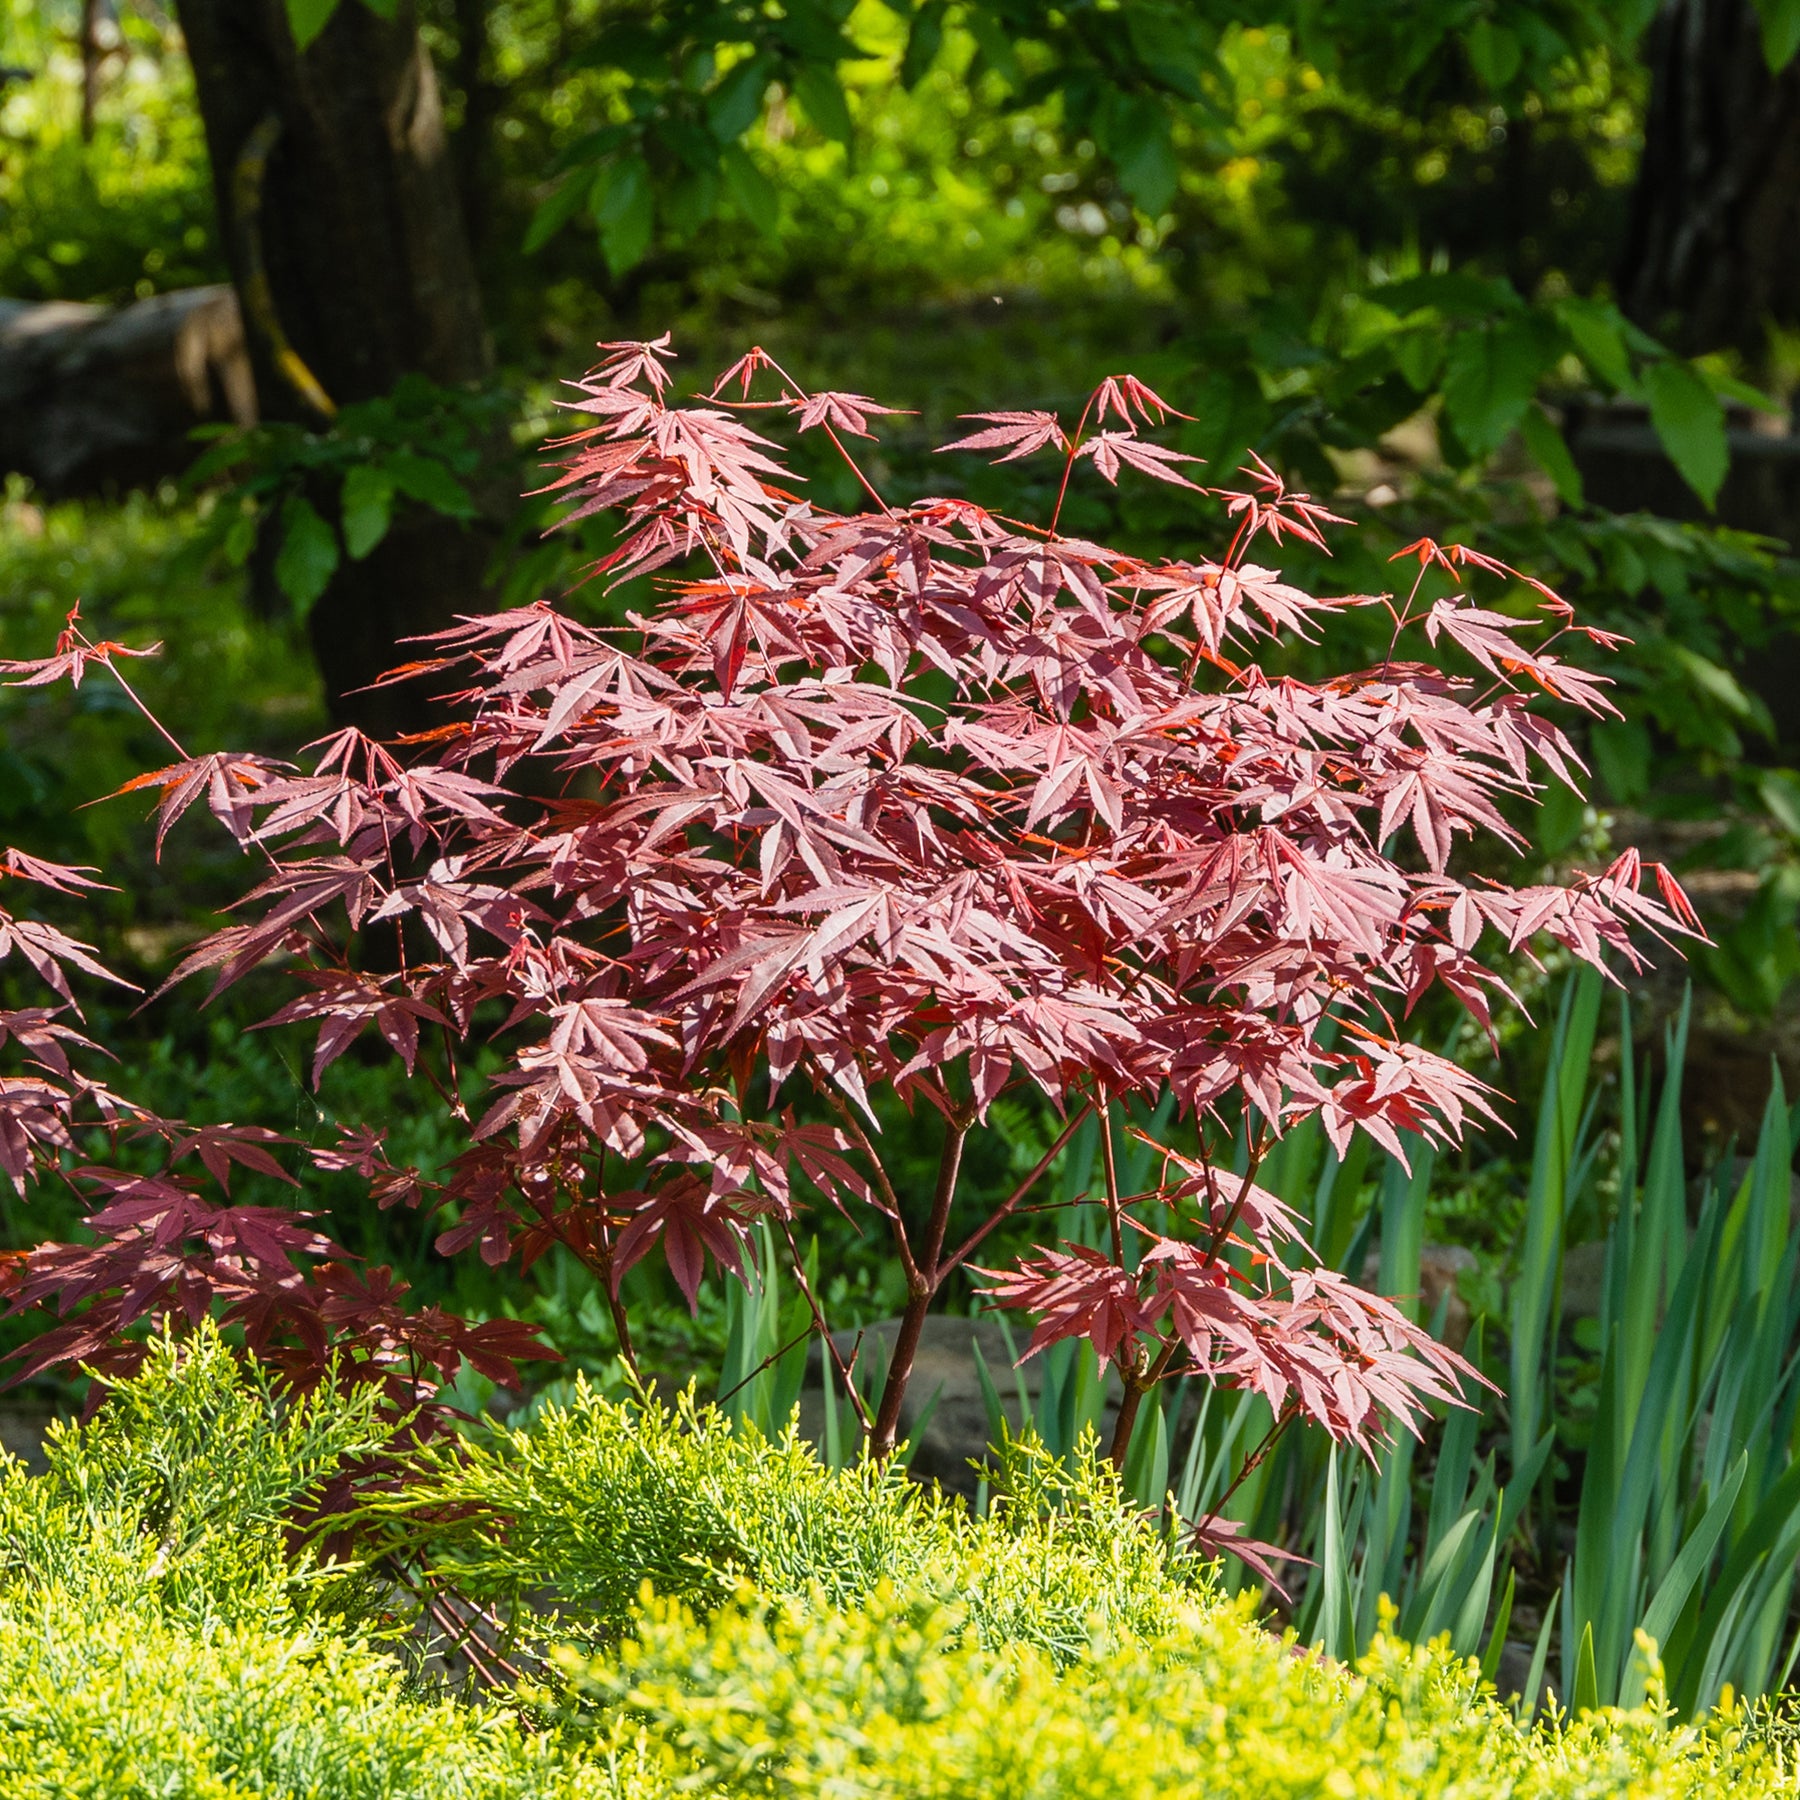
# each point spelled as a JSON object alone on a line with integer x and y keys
{"x": 916, "y": 798}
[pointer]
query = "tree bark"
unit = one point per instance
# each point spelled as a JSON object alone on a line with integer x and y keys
{"x": 1712, "y": 253}
{"x": 369, "y": 277}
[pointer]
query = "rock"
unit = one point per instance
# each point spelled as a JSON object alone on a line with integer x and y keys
{"x": 1583, "y": 1281}
{"x": 22, "y": 1428}
{"x": 945, "y": 1379}
{"x": 1514, "y": 1672}
{"x": 92, "y": 396}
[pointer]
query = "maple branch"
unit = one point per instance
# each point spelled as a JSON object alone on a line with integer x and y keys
{"x": 131, "y": 694}
{"x": 1251, "y": 1462}
{"x": 768, "y": 1362}
{"x": 1222, "y": 1234}
{"x": 1112, "y": 1182}
{"x": 855, "y": 468}
{"x": 1069, "y": 464}
{"x": 1016, "y": 1198}
{"x": 603, "y": 1266}
{"x": 1401, "y": 620}
{"x": 845, "y": 1370}
{"x": 1137, "y": 1382}
{"x": 923, "y": 1282}
{"x": 1134, "y": 1384}
{"x": 837, "y": 443}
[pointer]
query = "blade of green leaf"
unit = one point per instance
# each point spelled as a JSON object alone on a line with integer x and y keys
{"x": 821, "y": 95}
{"x": 1585, "y": 1696}
{"x": 624, "y": 208}
{"x": 1544, "y": 440}
{"x": 367, "y": 503}
{"x": 1490, "y": 1656}
{"x": 1465, "y": 1633}
{"x": 1659, "y": 1619}
{"x": 751, "y": 189}
{"x": 308, "y": 557}
{"x": 1534, "y": 1678}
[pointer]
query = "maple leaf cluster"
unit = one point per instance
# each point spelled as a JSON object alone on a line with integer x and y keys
{"x": 915, "y": 798}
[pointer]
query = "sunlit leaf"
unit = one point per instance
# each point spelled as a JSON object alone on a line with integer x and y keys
{"x": 1490, "y": 375}
{"x": 821, "y": 95}
{"x": 1550, "y": 452}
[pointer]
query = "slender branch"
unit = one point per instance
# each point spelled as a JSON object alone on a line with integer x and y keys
{"x": 1016, "y": 1198}
{"x": 1223, "y": 1231}
{"x": 956, "y": 1134}
{"x": 1069, "y": 464}
{"x": 923, "y": 1283}
{"x": 768, "y": 1362}
{"x": 1113, "y": 1203}
{"x": 846, "y": 1370}
{"x": 889, "y": 1203}
{"x": 1401, "y": 620}
{"x": 855, "y": 468}
{"x": 1255, "y": 1458}
{"x": 168, "y": 736}
{"x": 603, "y": 1265}
{"x": 850, "y": 461}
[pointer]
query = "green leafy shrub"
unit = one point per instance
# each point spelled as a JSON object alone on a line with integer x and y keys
{"x": 179, "y": 1495}
{"x": 160, "y": 1636}
{"x": 587, "y": 1503}
{"x": 898, "y": 1697}
{"x": 823, "y": 1632}
{"x": 125, "y": 1706}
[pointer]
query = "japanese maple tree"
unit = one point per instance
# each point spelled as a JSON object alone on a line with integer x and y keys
{"x": 917, "y": 798}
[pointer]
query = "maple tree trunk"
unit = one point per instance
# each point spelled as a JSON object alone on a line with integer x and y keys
{"x": 369, "y": 277}
{"x": 1712, "y": 253}
{"x": 924, "y": 1277}
{"x": 1129, "y": 1404}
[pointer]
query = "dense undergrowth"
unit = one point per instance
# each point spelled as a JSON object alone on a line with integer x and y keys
{"x": 815, "y": 1632}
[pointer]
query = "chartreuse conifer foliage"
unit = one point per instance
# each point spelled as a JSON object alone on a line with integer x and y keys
{"x": 918, "y": 798}
{"x": 159, "y": 1634}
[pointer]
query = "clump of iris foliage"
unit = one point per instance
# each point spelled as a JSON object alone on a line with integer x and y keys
{"x": 735, "y": 1619}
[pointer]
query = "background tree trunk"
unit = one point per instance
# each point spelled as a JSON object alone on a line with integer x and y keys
{"x": 370, "y": 276}
{"x": 1712, "y": 254}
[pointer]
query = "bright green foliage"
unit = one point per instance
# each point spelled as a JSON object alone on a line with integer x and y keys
{"x": 588, "y": 1502}
{"x": 418, "y": 444}
{"x": 133, "y": 1707}
{"x": 159, "y": 1638}
{"x": 822, "y": 1632}
{"x": 131, "y": 211}
{"x": 899, "y": 1698}
{"x": 176, "y": 1498}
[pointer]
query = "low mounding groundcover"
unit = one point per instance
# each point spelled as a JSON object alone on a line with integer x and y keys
{"x": 709, "y": 1613}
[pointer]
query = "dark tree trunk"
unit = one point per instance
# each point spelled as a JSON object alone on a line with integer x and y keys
{"x": 1712, "y": 255}
{"x": 481, "y": 105}
{"x": 369, "y": 278}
